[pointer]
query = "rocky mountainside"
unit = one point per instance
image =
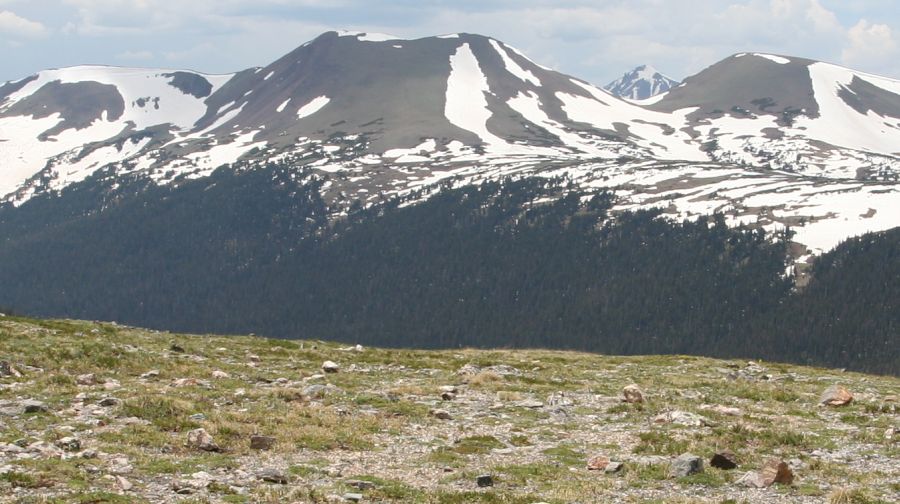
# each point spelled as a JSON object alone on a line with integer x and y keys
{"x": 767, "y": 140}
{"x": 102, "y": 413}
{"x": 641, "y": 83}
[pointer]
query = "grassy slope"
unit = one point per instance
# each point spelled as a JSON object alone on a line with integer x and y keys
{"x": 378, "y": 427}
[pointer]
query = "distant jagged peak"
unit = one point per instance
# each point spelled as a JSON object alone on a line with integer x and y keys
{"x": 642, "y": 83}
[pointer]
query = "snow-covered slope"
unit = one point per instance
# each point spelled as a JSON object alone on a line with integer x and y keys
{"x": 768, "y": 140}
{"x": 641, "y": 83}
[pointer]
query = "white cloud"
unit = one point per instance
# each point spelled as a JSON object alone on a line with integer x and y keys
{"x": 870, "y": 46}
{"x": 17, "y": 26}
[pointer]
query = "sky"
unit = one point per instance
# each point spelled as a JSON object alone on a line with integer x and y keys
{"x": 595, "y": 40}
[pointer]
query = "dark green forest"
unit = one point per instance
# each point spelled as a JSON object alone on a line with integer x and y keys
{"x": 252, "y": 251}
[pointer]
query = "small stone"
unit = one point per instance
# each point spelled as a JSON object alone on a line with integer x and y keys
{"x": 530, "y": 404}
{"x": 86, "y": 379}
{"x": 836, "y": 395}
{"x": 112, "y": 385}
{"x": 598, "y": 463}
{"x": 258, "y": 442}
{"x": 891, "y": 433}
{"x": 32, "y": 406}
{"x": 448, "y": 396}
{"x": 89, "y": 454}
{"x": 253, "y": 358}
{"x": 685, "y": 465}
{"x": 449, "y": 388}
{"x": 7, "y": 369}
{"x": 220, "y": 375}
{"x": 183, "y": 382}
{"x": 176, "y": 348}
{"x": 199, "y": 438}
{"x": 353, "y": 497}
{"x": 330, "y": 367}
{"x": 107, "y": 402}
{"x": 124, "y": 484}
{"x": 776, "y": 471}
{"x": 484, "y": 481}
{"x": 751, "y": 479}
{"x": 632, "y": 394}
{"x": 614, "y": 467}
{"x": 361, "y": 484}
{"x": 154, "y": 373}
{"x": 197, "y": 417}
{"x": 724, "y": 459}
{"x": 272, "y": 476}
{"x": 440, "y": 414}
{"x": 69, "y": 443}
{"x": 681, "y": 418}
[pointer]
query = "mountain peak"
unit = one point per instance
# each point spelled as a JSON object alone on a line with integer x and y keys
{"x": 643, "y": 82}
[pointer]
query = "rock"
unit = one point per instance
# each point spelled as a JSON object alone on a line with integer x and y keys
{"x": 184, "y": 382}
{"x": 124, "y": 484}
{"x": 685, "y": 465}
{"x": 272, "y": 476}
{"x": 682, "y": 418}
{"x": 484, "y": 481}
{"x": 107, "y": 402}
{"x": 330, "y": 367}
{"x": 724, "y": 459}
{"x": 120, "y": 465}
{"x": 69, "y": 444}
{"x": 176, "y": 348}
{"x": 253, "y": 358}
{"x": 776, "y": 471}
{"x": 440, "y": 414}
{"x": 361, "y": 484}
{"x": 891, "y": 433}
{"x": 89, "y": 454}
{"x": 448, "y": 396}
{"x": 258, "y": 442}
{"x": 449, "y": 389}
{"x": 7, "y": 369}
{"x": 32, "y": 406}
{"x": 220, "y": 375}
{"x": 200, "y": 439}
{"x": 353, "y": 497}
{"x": 530, "y": 404}
{"x": 773, "y": 471}
{"x": 632, "y": 394}
{"x": 598, "y": 463}
{"x": 614, "y": 467}
{"x": 836, "y": 395}
{"x": 153, "y": 373}
{"x": 197, "y": 417}
{"x": 751, "y": 479}
{"x": 86, "y": 379}
{"x": 112, "y": 385}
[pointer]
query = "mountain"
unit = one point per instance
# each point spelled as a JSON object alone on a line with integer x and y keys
{"x": 641, "y": 83}
{"x": 359, "y": 184}
{"x": 768, "y": 140}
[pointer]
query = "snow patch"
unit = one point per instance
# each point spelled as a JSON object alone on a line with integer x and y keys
{"x": 312, "y": 107}
{"x": 282, "y": 106}
{"x": 513, "y": 67}
{"x": 771, "y": 57}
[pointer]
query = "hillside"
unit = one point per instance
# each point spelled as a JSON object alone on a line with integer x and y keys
{"x": 97, "y": 412}
{"x": 476, "y": 266}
